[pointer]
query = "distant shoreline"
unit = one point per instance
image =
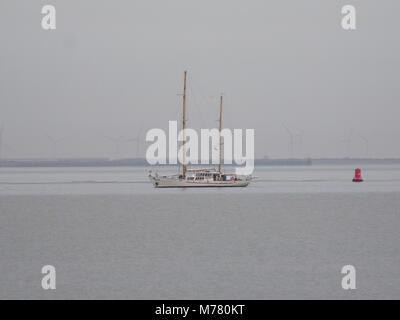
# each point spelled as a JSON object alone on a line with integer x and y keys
{"x": 140, "y": 162}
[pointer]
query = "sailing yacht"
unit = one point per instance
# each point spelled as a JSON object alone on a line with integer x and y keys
{"x": 206, "y": 177}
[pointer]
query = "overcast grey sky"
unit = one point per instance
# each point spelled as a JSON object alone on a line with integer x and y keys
{"x": 113, "y": 67}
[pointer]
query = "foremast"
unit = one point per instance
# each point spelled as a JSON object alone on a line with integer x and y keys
{"x": 184, "y": 127}
{"x": 220, "y": 137}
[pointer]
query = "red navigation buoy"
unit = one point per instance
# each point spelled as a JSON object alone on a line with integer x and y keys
{"x": 357, "y": 176}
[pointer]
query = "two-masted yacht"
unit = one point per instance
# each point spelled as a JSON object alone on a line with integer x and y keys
{"x": 206, "y": 177}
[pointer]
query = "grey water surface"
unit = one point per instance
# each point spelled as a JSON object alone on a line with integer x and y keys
{"x": 110, "y": 234}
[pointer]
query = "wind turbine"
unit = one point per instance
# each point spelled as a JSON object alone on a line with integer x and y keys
{"x": 1, "y": 139}
{"x": 54, "y": 142}
{"x": 138, "y": 143}
{"x": 3, "y": 145}
{"x": 291, "y": 140}
{"x": 137, "y": 140}
{"x": 366, "y": 145}
{"x": 117, "y": 143}
{"x": 299, "y": 138}
{"x": 347, "y": 142}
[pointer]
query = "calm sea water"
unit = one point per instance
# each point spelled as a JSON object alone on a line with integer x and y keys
{"x": 110, "y": 234}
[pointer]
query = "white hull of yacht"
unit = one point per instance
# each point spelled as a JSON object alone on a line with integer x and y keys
{"x": 173, "y": 182}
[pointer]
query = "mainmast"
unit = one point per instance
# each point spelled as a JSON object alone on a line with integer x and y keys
{"x": 184, "y": 126}
{"x": 220, "y": 137}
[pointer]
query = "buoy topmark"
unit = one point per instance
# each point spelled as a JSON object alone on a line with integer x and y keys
{"x": 357, "y": 176}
